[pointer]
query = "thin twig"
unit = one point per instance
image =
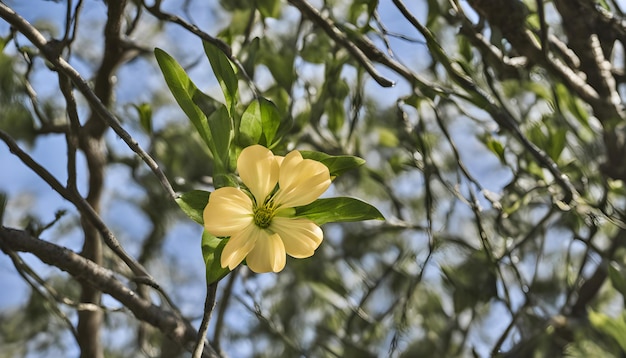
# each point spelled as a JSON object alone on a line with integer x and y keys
{"x": 84, "y": 270}
{"x": 52, "y": 54}
{"x": 209, "y": 303}
{"x": 339, "y": 36}
{"x": 80, "y": 203}
{"x": 221, "y": 312}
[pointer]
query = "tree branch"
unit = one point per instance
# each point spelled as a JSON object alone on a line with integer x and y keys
{"x": 339, "y": 36}
{"x": 84, "y": 270}
{"x": 81, "y": 204}
{"x": 51, "y": 53}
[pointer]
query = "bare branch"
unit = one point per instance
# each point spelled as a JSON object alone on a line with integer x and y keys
{"x": 51, "y": 53}
{"x": 84, "y": 270}
{"x": 336, "y": 34}
{"x": 80, "y": 203}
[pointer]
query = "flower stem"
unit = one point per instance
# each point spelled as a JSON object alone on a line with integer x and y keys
{"x": 209, "y": 303}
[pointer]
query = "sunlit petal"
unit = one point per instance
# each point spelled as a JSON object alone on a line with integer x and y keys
{"x": 301, "y": 181}
{"x": 229, "y": 210}
{"x": 239, "y": 246}
{"x": 258, "y": 169}
{"x": 268, "y": 254}
{"x": 301, "y": 237}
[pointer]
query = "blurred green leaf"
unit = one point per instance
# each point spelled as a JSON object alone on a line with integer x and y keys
{"x": 193, "y": 203}
{"x": 337, "y": 165}
{"x": 3, "y": 42}
{"x": 224, "y": 72}
{"x": 572, "y": 104}
{"x": 269, "y": 8}
{"x": 144, "y": 111}
{"x": 361, "y": 7}
{"x": 556, "y": 142}
{"x": 612, "y": 327}
{"x": 618, "y": 278}
{"x": 212, "y": 248}
{"x": 316, "y": 48}
{"x": 336, "y": 114}
{"x": 496, "y": 147}
{"x": 251, "y": 52}
{"x": 472, "y": 282}
{"x": 339, "y": 209}
{"x": 279, "y": 59}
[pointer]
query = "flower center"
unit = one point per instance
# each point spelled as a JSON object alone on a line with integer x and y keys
{"x": 263, "y": 216}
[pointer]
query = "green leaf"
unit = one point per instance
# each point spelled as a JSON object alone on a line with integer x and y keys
{"x": 612, "y": 327}
{"x": 251, "y": 52}
{"x": 270, "y": 118}
{"x": 336, "y": 114}
{"x": 261, "y": 117}
{"x": 193, "y": 203}
{"x": 251, "y": 126}
{"x": 224, "y": 72}
{"x": 222, "y": 131}
{"x": 340, "y": 209}
{"x": 4, "y": 41}
{"x": 212, "y": 248}
{"x": 316, "y": 47}
{"x": 220, "y": 126}
{"x": 618, "y": 278}
{"x": 337, "y": 165}
{"x": 144, "y": 111}
{"x": 496, "y": 147}
{"x": 556, "y": 143}
{"x": 280, "y": 62}
{"x": 473, "y": 280}
{"x": 183, "y": 90}
{"x": 269, "y": 8}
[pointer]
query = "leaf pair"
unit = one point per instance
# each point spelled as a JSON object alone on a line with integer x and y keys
{"x": 212, "y": 119}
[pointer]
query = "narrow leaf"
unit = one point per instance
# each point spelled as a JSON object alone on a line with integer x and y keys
{"x": 193, "y": 203}
{"x": 337, "y": 165}
{"x": 224, "y": 72}
{"x": 183, "y": 90}
{"x": 618, "y": 280}
{"x": 222, "y": 132}
{"x": 338, "y": 209}
{"x": 212, "y": 248}
{"x": 144, "y": 111}
{"x": 220, "y": 126}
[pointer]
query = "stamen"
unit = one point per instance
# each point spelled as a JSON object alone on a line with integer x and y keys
{"x": 263, "y": 216}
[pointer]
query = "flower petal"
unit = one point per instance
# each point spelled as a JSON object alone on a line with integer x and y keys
{"x": 258, "y": 169}
{"x": 300, "y": 236}
{"x": 239, "y": 246}
{"x": 229, "y": 211}
{"x": 301, "y": 181}
{"x": 268, "y": 254}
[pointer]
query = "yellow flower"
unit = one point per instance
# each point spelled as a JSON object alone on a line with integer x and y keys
{"x": 260, "y": 221}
